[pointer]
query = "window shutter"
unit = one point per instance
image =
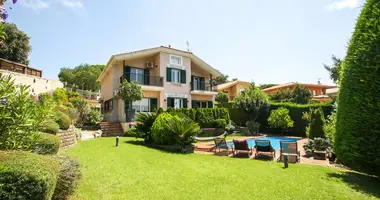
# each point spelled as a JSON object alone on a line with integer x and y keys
{"x": 183, "y": 76}
{"x": 202, "y": 83}
{"x": 146, "y": 77}
{"x": 184, "y": 103}
{"x": 194, "y": 104}
{"x": 153, "y": 104}
{"x": 210, "y": 104}
{"x": 168, "y": 75}
{"x": 127, "y": 72}
{"x": 170, "y": 102}
{"x": 192, "y": 82}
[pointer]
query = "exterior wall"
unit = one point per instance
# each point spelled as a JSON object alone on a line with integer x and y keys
{"x": 202, "y": 97}
{"x": 175, "y": 89}
{"x": 36, "y": 84}
{"x": 107, "y": 86}
{"x": 197, "y": 71}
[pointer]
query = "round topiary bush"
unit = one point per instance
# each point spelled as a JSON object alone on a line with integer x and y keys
{"x": 49, "y": 126}
{"x": 69, "y": 176}
{"x": 63, "y": 120}
{"x": 46, "y": 144}
{"x": 25, "y": 175}
{"x": 159, "y": 132}
{"x": 357, "y": 139}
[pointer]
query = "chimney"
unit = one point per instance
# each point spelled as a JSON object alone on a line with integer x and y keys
{"x": 319, "y": 81}
{"x": 170, "y": 46}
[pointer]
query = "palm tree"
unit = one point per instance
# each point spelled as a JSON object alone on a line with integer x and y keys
{"x": 184, "y": 128}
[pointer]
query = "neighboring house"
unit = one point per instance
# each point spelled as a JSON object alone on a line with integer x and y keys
{"x": 333, "y": 92}
{"x": 232, "y": 88}
{"x": 24, "y": 75}
{"x": 317, "y": 90}
{"x": 169, "y": 78}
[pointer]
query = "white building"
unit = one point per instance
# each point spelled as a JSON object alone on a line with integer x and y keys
{"x": 24, "y": 75}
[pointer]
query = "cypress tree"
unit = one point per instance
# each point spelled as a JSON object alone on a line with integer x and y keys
{"x": 357, "y": 142}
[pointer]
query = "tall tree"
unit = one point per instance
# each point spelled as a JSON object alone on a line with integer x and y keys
{"x": 357, "y": 139}
{"x": 264, "y": 86}
{"x": 83, "y": 75}
{"x": 301, "y": 95}
{"x": 16, "y": 46}
{"x": 335, "y": 68}
{"x": 219, "y": 80}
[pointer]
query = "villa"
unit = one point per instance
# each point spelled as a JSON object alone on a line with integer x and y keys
{"x": 317, "y": 90}
{"x": 169, "y": 78}
{"x": 233, "y": 88}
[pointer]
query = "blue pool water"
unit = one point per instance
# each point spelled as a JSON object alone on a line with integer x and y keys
{"x": 275, "y": 141}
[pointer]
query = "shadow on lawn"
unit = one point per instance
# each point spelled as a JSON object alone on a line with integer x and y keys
{"x": 360, "y": 182}
{"x": 155, "y": 147}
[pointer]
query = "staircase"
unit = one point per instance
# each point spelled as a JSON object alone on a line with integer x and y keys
{"x": 110, "y": 129}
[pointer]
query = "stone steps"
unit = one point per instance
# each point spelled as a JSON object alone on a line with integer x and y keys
{"x": 110, "y": 129}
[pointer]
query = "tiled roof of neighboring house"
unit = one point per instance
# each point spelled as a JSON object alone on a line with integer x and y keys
{"x": 155, "y": 50}
{"x": 301, "y": 84}
{"x": 230, "y": 84}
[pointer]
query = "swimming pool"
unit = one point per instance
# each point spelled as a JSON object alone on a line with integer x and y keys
{"x": 275, "y": 141}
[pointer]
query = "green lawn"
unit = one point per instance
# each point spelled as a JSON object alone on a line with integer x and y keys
{"x": 132, "y": 171}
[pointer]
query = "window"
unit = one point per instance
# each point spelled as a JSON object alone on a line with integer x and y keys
{"x": 107, "y": 105}
{"x": 202, "y": 104}
{"x": 141, "y": 106}
{"x": 137, "y": 75}
{"x": 176, "y": 76}
{"x": 175, "y": 60}
{"x": 197, "y": 83}
{"x": 177, "y": 103}
{"x": 314, "y": 92}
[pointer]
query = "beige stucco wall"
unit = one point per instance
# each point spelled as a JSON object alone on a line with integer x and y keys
{"x": 37, "y": 85}
{"x": 202, "y": 97}
{"x": 107, "y": 85}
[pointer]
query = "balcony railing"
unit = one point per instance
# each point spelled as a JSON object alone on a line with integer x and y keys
{"x": 201, "y": 85}
{"x": 143, "y": 79}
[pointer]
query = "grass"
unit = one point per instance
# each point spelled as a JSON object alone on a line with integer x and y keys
{"x": 133, "y": 171}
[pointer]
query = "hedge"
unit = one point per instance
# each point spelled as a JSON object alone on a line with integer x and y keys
{"x": 69, "y": 176}
{"x": 49, "y": 126}
{"x": 205, "y": 117}
{"x": 357, "y": 139}
{"x": 63, "y": 120}
{"x": 25, "y": 175}
{"x": 46, "y": 144}
{"x": 295, "y": 111}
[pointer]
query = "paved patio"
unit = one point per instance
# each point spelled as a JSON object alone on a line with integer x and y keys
{"x": 207, "y": 148}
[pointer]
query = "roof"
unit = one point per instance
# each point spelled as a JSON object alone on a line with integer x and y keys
{"x": 19, "y": 64}
{"x": 301, "y": 84}
{"x": 153, "y": 51}
{"x": 230, "y": 84}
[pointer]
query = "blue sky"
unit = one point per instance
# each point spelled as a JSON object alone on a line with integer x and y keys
{"x": 271, "y": 41}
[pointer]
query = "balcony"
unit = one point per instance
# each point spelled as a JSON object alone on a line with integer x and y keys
{"x": 201, "y": 86}
{"x": 143, "y": 79}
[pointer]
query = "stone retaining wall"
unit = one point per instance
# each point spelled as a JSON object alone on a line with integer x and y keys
{"x": 68, "y": 138}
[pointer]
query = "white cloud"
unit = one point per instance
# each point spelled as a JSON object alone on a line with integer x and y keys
{"x": 35, "y": 4}
{"x": 339, "y": 5}
{"x": 72, "y": 3}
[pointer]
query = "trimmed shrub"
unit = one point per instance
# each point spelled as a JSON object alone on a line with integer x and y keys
{"x": 357, "y": 139}
{"x": 49, "y": 126}
{"x": 25, "y": 175}
{"x": 46, "y": 144}
{"x": 280, "y": 118}
{"x": 133, "y": 132}
{"x": 159, "y": 132}
{"x": 63, "y": 120}
{"x": 60, "y": 95}
{"x": 68, "y": 178}
{"x": 317, "y": 122}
